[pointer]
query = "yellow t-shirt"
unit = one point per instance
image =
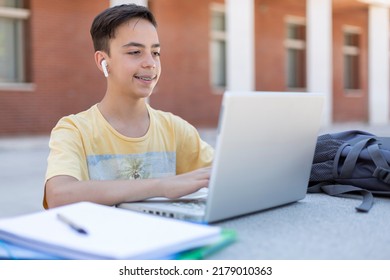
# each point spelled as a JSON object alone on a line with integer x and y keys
{"x": 86, "y": 147}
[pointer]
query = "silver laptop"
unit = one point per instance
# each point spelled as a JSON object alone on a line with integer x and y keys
{"x": 264, "y": 152}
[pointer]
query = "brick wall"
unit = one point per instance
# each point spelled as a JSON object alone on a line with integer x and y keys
{"x": 61, "y": 65}
{"x": 270, "y": 33}
{"x": 184, "y": 87}
{"x": 350, "y": 105}
{"x": 67, "y": 81}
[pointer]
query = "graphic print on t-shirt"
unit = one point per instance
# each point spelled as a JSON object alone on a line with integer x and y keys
{"x": 132, "y": 166}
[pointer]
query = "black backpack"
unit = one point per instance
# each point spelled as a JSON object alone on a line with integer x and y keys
{"x": 352, "y": 162}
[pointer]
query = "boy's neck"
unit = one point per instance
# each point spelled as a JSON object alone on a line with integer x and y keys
{"x": 129, "y": 118}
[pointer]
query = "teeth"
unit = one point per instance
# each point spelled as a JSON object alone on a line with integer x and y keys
{"x": 144, "y": 78}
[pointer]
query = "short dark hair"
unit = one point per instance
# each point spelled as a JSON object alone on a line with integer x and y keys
{"x": 105, "y": 24}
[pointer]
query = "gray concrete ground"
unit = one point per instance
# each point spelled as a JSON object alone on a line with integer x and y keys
{"x": 22, "y": 169}
{"x": 318, "y": 227}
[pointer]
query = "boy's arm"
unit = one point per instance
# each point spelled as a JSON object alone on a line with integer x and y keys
{"x": 61, "y": 190}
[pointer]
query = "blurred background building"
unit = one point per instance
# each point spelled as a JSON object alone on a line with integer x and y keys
{"x": 336, "y": 47}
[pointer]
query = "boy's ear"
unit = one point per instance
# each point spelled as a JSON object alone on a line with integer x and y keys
{"x": 99, "y": 57}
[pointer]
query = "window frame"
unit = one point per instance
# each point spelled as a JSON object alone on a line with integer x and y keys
{"x": 217, "y": 36}
{"x": 19, "y": 14}
{"x": 352, "y": 51}
{"x": 295, "y": 44}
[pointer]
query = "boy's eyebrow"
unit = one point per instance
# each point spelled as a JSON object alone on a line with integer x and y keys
{"x": 139, "y": 45}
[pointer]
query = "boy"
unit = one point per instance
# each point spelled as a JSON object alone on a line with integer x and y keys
{"x": 121, "y": 149}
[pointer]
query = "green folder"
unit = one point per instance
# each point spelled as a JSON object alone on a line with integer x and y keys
{"x": 228, "y": 236}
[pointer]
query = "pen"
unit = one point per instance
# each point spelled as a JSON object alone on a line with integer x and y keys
{"x": 70, "y": 223}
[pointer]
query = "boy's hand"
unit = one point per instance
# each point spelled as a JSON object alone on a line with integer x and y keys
{"x": 187, "y": 183}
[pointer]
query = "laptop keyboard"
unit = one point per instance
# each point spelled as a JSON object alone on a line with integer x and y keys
{"x": 197, "y": 205}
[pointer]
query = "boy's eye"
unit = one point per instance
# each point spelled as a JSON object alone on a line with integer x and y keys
{"x": 156, "y": 53}
{"x": 134, "y": 52}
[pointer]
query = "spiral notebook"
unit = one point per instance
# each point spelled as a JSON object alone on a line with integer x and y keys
{"x": 110, "y": 233}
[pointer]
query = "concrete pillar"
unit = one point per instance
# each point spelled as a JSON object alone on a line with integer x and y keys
{"x": 319, "y": 52}
{"x": 378, "y": 65}
{"x": 240, "y": 45}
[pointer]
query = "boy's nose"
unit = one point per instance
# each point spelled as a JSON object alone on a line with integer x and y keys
{"x": 149, "y": 62}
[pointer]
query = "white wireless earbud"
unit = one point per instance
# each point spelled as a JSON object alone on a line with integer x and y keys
{"x": 104, "y": 66}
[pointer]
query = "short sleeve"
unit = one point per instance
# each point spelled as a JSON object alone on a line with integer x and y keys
{"x": 192, "y": 152}
{"x": 67, "y": 154}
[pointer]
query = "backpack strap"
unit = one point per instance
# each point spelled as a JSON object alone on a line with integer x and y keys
{"x": 336, "y": 189}
{"x": 351, "y": 159}
{"x": 382, "y": 170}
{"x": 377, "y": 157}
{"x": 336, "y": 160}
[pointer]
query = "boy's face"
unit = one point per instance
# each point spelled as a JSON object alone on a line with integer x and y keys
{"x": 134, "y": 61}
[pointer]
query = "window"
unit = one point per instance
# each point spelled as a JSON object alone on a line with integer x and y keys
{"x": 12, "y": 41}
{"x": 218, "y": 46}
{"x": 295, "y": 44}
{"x": 351, "y": 58}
